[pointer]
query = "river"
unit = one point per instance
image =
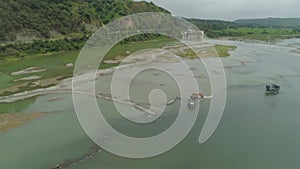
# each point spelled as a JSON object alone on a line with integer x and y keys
{"x": 256, "y": 131}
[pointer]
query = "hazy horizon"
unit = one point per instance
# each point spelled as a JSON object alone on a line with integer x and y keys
{"x": 231, "y": 10}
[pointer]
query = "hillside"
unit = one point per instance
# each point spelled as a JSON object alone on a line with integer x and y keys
{"x": 22, "y": 20}
{"x": 293, "y": 23}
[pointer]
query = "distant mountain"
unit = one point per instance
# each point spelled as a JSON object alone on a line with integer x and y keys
{"x": 211, "y": 27}
{"x": 37, "y": 19}
{"x": 270, "y": 23}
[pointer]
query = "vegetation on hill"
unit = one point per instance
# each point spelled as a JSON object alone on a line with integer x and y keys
{"x": 22, "y": 49}
{"x": 44, "y": 26}
{"x": 293, "y": 23}
{"x": 257, "y": 29}
{"x": 264, "y": 34}
{"x": 210, "y": 27}
{"x": 36, "y": 19}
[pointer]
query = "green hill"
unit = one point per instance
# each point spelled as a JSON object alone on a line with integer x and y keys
{"x": 22, "y": 20}
{"x": 293, "y": 23}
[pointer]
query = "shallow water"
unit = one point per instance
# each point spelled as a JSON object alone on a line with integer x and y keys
{"x": 256, "y": 131}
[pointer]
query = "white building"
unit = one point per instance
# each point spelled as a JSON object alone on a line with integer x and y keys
{"x": 192, "y": 35}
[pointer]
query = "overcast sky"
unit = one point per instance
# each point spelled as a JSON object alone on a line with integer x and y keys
{"x": 231, "y": 9}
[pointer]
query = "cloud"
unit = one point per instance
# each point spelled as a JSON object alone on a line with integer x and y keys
{"x": 231, "y": 9}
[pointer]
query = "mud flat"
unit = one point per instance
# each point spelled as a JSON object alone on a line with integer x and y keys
{"x": 29, "y": 70}
{"x": 14, "y": 89}
{"x": 65, "y": 87}
{"x": 12, "y": 120}
{"x": 41, "y": 83}
{"x": 28, "y": 78}
{"x": 58, "y": 90}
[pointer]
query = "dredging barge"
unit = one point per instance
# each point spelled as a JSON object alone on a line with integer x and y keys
{"x": 195, "y": 97}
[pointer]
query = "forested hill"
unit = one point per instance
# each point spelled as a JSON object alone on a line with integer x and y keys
{"x": 211, "y": 26}
{"x": 271, "y": 23}
{"x": 30, "y": 19}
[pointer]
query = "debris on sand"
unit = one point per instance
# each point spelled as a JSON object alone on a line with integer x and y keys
{"x": 69, "y": 65}
{"x": 111, "y": 61}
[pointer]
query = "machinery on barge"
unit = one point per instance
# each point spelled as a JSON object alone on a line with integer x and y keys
{"x": 195, "y": 97}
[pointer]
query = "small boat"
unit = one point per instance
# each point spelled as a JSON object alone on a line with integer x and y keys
{"x": 191, "y": 104}
{"x": 272, "y": 89}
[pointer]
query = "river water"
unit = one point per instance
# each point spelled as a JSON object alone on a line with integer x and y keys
{"x": 256, "y": 131}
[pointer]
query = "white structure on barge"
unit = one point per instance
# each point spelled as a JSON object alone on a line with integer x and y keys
{"x": 191, "y": 34}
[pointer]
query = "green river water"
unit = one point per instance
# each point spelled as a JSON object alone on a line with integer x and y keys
{"x": 256, "y": 131}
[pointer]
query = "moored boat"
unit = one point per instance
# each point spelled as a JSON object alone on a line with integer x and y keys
{"x": 191, "y": 104}
{"x": 272, "y": 89}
